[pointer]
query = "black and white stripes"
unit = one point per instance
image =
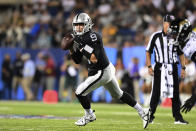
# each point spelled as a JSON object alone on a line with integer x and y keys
{"x": 164, "y": 52}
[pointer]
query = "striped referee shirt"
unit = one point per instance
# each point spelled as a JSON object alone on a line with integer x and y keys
{"x": 164, "y": 52}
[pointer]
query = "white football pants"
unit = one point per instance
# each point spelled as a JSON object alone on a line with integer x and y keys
{"x": 106, "y": 78}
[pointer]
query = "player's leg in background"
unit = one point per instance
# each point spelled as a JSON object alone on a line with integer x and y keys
{"x": 14, "y": 85}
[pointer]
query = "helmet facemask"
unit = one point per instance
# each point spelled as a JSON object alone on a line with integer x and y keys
{"x": 77, "y": 30}
{"x": 172, "y": 34}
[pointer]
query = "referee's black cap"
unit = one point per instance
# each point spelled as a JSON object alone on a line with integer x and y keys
{"x": 168, "y": 18}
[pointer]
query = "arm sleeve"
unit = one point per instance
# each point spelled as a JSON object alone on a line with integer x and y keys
{"x": 151, "y": 44}
{"x": 87, "y": 51}
{"x": 77, "y": 57}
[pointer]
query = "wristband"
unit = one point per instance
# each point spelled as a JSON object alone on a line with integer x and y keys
{"x": 149, "y": 66}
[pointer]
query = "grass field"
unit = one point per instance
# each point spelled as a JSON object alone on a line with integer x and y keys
{"x": 36, "y": 116}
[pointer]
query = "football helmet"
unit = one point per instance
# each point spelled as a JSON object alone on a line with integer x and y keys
{"x": 180, "y": 30}
{"x": 184, "y": 31}
{"x": 173, "y": 29}
{"x": 82, "y": 18}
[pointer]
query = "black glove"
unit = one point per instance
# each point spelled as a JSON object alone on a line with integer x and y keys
{"x": 78, "y": 42}
{"x": 189, "y": 103}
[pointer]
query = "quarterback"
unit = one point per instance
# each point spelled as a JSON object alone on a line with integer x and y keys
{"x": 101, "y": 72}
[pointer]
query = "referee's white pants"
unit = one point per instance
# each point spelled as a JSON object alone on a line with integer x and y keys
{"x": 106, "y": 78}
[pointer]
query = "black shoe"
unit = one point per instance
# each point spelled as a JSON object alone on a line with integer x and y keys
{"x": 151, "y": 117}
{"x": 181, "y": 121}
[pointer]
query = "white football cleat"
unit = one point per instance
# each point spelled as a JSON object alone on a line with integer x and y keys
{"x": 145, "y": 118}
{"x": 86, "y": 119}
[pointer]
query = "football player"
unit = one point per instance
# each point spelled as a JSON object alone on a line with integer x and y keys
{"x": 101, "y": 72}
{"x": 181, "y": 31}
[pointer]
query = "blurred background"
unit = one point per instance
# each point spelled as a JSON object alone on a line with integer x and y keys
{"x": 33, "y": 67}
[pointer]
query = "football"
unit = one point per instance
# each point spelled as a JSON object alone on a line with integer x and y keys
{"x": 67, "y": 42}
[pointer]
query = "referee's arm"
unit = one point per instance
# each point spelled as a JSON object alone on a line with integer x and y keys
{"x": 149, "y": 50}
{"x": 148, "y": 63}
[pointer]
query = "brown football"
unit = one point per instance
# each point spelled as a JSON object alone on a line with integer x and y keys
{"x": 67, "y": 42}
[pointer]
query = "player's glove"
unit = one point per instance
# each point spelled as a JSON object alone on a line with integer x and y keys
{"x": 189, "y": 103}
{"x": 78, "y": 42}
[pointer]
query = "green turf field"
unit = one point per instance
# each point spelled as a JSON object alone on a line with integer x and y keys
{"x": 110, "y": 117}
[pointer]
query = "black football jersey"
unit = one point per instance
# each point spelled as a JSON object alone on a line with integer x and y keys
{"x": 91, "y": 42}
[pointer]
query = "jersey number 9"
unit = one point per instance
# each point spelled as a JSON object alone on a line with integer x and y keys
{"x": 93, "y": 37}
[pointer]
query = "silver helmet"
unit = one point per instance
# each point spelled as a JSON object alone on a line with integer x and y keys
{"x": 82, "y": 18}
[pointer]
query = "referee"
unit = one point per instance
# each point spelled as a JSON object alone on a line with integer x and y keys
{"x": 165, "y": 54}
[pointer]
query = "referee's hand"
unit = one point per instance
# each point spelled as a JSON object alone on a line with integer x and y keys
{"x": 150, "y": 71}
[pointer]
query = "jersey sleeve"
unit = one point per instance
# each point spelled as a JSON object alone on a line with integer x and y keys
{"x": 77, "y": 56}
{"x": 179, "y": 51}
